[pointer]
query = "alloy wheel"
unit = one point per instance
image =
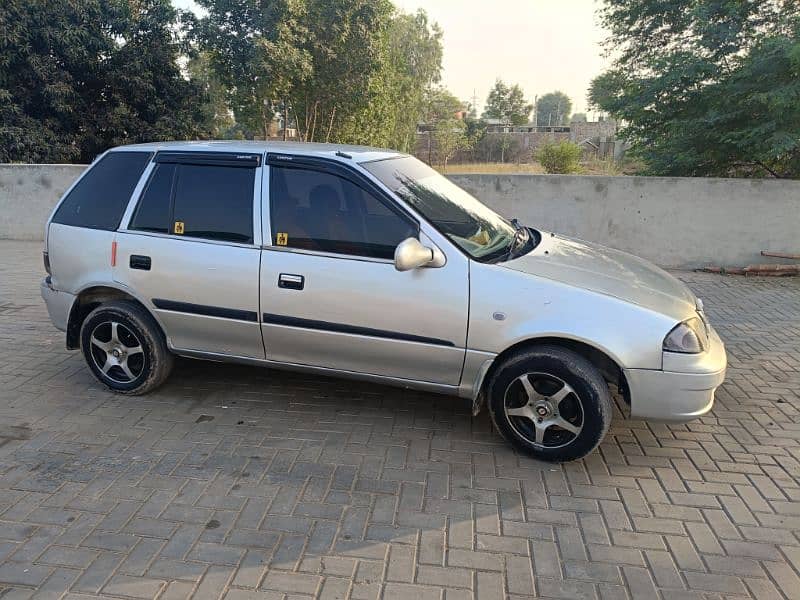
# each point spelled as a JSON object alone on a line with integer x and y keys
{"x": 544, "y": 409}
{"x": 117, "y": 352}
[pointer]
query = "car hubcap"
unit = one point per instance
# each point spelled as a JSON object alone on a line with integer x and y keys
{"x": 544, "y": 410}
{"x": 117, "y": 352}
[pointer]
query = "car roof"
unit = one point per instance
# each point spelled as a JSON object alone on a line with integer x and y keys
{"x": 358, "y": 154}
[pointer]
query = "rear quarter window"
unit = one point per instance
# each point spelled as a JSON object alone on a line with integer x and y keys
{"x": 99, "y": 199}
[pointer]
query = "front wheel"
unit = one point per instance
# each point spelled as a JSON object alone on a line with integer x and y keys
{"x": 124, "y": 348}
{"x": 550, "y": 403}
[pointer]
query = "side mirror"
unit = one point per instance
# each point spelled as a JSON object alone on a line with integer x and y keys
{"x": 411, "y": 254}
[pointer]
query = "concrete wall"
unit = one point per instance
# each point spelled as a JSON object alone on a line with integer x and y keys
{"x": 27, "y": 195}
{"x": 675, "y": 222}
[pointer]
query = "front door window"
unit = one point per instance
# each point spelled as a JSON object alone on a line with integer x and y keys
{"x": 315, "y": 210}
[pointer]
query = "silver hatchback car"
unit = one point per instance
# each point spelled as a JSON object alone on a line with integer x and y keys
{"x": 367, "y": 263}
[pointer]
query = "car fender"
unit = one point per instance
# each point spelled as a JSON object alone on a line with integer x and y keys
{"x": 509, "y": 307}
{"x": 124, "y": 291}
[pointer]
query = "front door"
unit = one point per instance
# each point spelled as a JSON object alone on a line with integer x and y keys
{"x": 191, "y": 251}
{"x": 330, "y": 294}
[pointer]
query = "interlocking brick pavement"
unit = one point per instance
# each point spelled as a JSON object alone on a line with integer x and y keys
{"x": 245, "y": 483}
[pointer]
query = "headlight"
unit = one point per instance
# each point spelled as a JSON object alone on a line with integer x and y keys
{"x": 689, "y": 337}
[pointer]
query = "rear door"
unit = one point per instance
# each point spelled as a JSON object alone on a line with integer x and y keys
{"x": 191, "y": 250}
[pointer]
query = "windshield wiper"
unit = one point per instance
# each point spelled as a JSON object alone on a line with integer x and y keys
{"x": 518, "y": 237}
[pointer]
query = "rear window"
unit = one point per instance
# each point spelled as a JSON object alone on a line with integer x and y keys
{"x": 101, "y": 196}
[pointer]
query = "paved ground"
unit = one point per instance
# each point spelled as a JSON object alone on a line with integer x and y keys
{"x": 248, "y": 483}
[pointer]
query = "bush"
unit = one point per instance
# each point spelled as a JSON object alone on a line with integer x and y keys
{"x": 560, "y": 157}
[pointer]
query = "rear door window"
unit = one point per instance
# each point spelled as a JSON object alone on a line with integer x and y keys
{"x": 99, "y": 199}
{"x": 208, "y": 201}
{"x": 214, "y": 202}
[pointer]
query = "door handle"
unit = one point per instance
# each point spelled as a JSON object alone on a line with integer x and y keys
{"x": 287, "y": 281}
{"x": 140, "y": 262}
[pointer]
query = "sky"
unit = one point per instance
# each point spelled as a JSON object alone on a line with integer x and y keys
{"x": 543, "y": 45}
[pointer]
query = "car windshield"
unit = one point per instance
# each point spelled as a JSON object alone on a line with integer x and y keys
{"x": 473, "y": 226}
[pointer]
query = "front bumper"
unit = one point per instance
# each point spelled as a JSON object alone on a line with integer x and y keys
{"x": 58, "y": 304}
{"x": 684, "y": 389}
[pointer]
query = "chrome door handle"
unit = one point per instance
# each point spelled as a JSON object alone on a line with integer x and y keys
{"x": 288, "y": 281}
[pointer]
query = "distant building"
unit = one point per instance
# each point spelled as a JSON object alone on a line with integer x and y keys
{"x": 531, "y": 135}
{"x": 607, "y": 128}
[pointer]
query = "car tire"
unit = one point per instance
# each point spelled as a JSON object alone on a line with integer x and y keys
{"x": 550, "y": 403}
{"x": 125, "y": 348}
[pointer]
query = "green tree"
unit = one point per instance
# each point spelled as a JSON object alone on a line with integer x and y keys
{"x": 475, "y": 130}
{"x": 553, "y": 109}
{"x": 258, "y": 51}
{"x": 346, "y": 42}
{"x": 507, "y": 104}
{"x": 578, "y": 118}
{"x": 349, "y": 71}
{"x": 706, "y": 87}
{"x": 412, "y": 64}
{"x": 79, "y": 77}
{"x": 440, "y": 104}
{"x": 451, "y": 136}
{"x": 217, "y": 114}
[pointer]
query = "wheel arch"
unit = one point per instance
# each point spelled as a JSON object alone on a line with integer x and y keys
{"x": 90, "y": 298}
{"x": 607, "y": 365}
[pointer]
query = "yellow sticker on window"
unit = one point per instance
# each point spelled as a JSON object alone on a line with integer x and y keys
{"x": 179, "y": 227}
{"x": 282, "y": 239}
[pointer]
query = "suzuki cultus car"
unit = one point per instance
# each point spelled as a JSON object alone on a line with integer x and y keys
{"x": 367, "y": 263}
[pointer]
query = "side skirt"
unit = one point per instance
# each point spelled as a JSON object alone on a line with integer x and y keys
{"x": 412, "y": 384}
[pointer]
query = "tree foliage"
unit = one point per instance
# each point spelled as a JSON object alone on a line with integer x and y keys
{"x": 451, "y": 136}
{"x": 411, "y": 64}
{"x": 216, "y": 113}
{"x": 351, "y": 71}
{"x": 553, "y": 109}
{"x": 441, "y": 104}
{"x": 258, "y": 51}
{"x": 346, "y": 41}
{"x": 79, "y": 77}
{"x": 507, "y": 104}
{"x": 706, "y": 87}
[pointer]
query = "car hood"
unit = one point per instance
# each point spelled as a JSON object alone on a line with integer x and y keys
{"x": 607, "y": 271}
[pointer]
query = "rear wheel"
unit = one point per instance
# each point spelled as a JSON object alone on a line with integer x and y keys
{"x": 124, "y": 348}
{"x": 550, "y": 403}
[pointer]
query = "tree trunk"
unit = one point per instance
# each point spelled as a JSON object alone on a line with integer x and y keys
{"x": 330, "y": 126}
{"x": 430, "y": 149}
{"x": 285, "y": 117}
{"x": 314, "y": 122}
